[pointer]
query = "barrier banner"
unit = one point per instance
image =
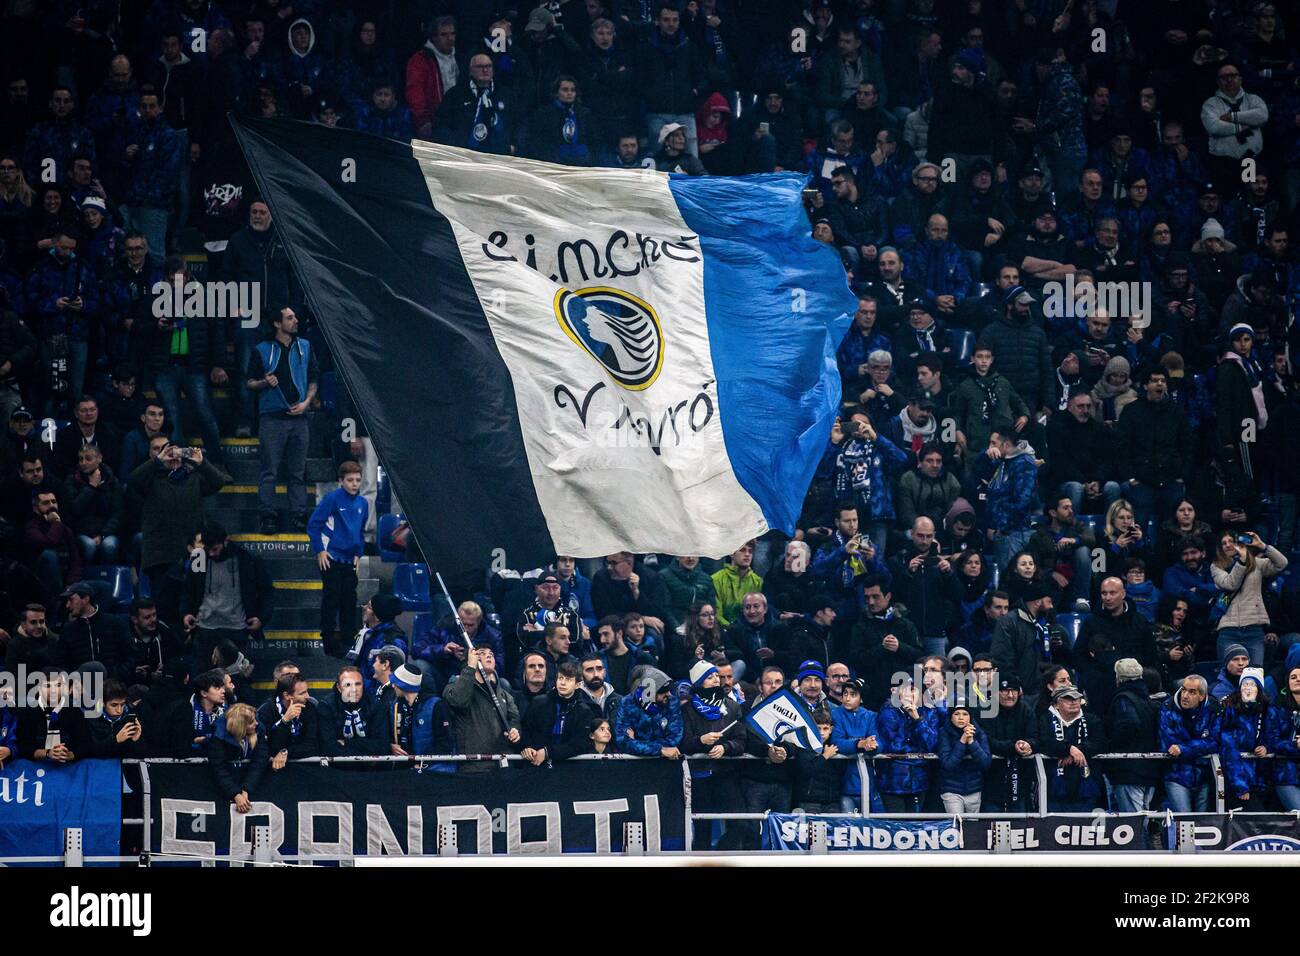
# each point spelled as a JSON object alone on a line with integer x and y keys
{"x": 790, "y": 831}
{"x": 575, "y": 807}
{"x": 1236, "y": 832}
{"x": 1099, "y": 832}
{"x": 39, "y": 800}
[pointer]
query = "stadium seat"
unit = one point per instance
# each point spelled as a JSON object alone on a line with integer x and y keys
{"x": 112, "y": 584}
{"x": 383, "y": 492}
{"x": 329, "y": 390}
{"x": 411, "y": 586}
{"x": 384, "y": 538}
{"x": 1149, "y": 529}
{"x": 1073, "y": 625}
{"x": 1209, "y": 670}
{"x": 995, "y": 572}
{"x": 963, "y": 346}
{"x": 1094, "y": 523}
{"x": 421, "y": 627}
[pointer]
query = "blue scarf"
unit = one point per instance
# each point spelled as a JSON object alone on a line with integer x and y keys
{"x": 563, "y": 711}
{"x": 295, "y": 725}
{"x": 204, "y": 723}
{"x": 1045, "y": 635}
{"x": 354, "y": 723}
{"x": 712, "y": 708}
{"x": 486, "y": 119}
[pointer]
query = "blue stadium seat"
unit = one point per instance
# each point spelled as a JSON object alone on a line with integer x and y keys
{"x": 1152, "y": 526}
{"x": 411, "y": 586}
{"x": 144, "y": 589}
{"x": 963, "y": 346}
{"x": 384, "y": 537}
{"x": 112, "y": 584}
{"x": 995, "y": 572}
{"x": 329, "y": 390}
{"x": 421, "y": 627}
{"x": 383, "y": 492}
{"x": 1095, "y": 523}
{"x": 1073, "y": 625}
{"x": 1209, "y": 670}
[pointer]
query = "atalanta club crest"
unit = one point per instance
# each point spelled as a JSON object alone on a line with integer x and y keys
{"x": 617, "y": 329}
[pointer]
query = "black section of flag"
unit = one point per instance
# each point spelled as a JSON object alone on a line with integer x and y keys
{"x": 384, "y": 277}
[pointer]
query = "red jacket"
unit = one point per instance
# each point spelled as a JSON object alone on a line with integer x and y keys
{"x": 424, "y": 90}
{"x": 41, "y": 535}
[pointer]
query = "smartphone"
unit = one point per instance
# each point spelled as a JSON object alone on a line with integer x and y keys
{"x": 810, "y": 193}
{"x": 1245, "y": 539}
{"x": 764, "y": 128}
{"x": 187, "y": 454}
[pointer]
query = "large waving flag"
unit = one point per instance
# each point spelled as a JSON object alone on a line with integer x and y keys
{"x": 562, "y": 360}
{"x": 784, "y": 719}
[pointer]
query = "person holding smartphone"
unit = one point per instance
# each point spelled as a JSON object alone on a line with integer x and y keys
{"x": 1241, "y": 568}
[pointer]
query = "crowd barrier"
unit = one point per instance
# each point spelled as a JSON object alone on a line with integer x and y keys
{"x": 333, "y": 810}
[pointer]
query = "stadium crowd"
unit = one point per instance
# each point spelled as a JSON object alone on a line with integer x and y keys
{"x": 1055, "y": 516}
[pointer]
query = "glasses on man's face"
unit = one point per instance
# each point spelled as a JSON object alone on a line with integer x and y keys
{"x": 1161, "y": 232}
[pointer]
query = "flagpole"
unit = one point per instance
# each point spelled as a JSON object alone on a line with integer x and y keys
{"x": 469, "y": 646}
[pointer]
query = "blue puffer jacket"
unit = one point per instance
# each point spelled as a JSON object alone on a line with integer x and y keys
{"x": 53, "y": 279}
{"x": 652, "y": 729}
{"x": 1196, "y": 733}
{"x": 156, "y": 168}
{"x": 1241, "y": 732}
{"x": 1013, "y": 492}
{"x": 941, "y": 266}
{"x": 900, "y": 734}
{"x": 854, "y": 349}
{"x": 394, "y": 124}
{"x": 962, "y": 766}
{"x": 381, "y": 636}
{"x": 57, "y": 141}
{"x": 1283, "y": 727}
{"x": 848, "y": 727}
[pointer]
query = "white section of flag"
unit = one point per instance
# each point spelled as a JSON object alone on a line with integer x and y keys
{"x": 601, "y": 489}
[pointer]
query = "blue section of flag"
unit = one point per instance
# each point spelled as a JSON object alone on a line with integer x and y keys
{"x": 778, "y": 305}
{"x": 41, "y": 800}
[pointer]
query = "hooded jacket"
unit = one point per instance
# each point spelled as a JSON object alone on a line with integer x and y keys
{"x": 1023, "y": 356}
{"x": 1195, "y": 732}
{"x": 847, "y": 728}
{"x": 1013, "y": 491}
{"x": 643, "y": 728}
{"x": 1132, "y": 726}
{"x": 1242, "y": 728}
{"x": 900, "y": 733}
{"x": 962, "y": 766}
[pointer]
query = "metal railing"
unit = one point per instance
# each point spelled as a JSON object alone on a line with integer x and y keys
{"x": 72, "y": 855}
